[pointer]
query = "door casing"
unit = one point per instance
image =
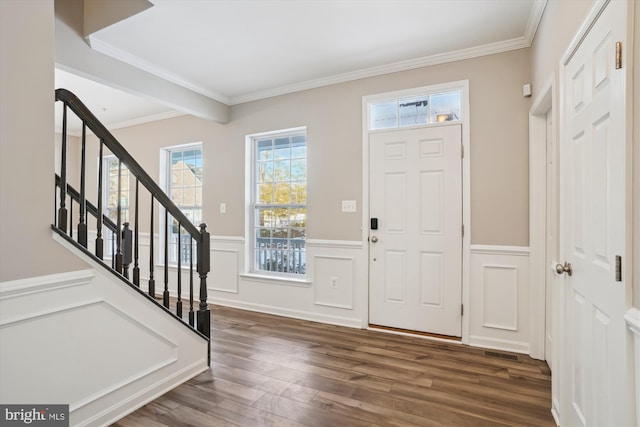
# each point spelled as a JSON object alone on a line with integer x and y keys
{"x": 463, "y": 85}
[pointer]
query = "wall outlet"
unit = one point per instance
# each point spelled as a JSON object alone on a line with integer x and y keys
{"x": 223, "y": 208}
{"x": 349, "y": 206}
{"x": 333, "y": 282}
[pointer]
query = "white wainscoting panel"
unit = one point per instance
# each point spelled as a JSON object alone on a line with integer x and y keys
{"x": 333, "y": 281}
{"x": 87, "y": 339}
{"x": 499, "y": 308}
{"x": 500, "y": 297}
{"x": 224, "y": 270}
{"x": 311, "y": 298}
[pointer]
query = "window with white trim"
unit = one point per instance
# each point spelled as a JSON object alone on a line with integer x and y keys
{"x": 416, "y": 110}
{"x": 111, "y": 170}
{"x": 279, "y": 202}
{"x": 184, "y": 186}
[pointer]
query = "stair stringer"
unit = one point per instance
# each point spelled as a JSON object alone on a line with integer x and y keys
{"x": 86, "y": 339}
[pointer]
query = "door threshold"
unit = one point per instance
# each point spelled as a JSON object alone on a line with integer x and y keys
{"x": 419, "y": 334}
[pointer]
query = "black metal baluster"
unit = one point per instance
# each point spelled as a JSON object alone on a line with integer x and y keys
{"x": 99, "y": 240}
{"x": 152, "y": 282}
{"x": 118, "y": 236}
{"x": 82, "y": 225}
{"x": 165, "y": 294}
{"x": 62, "y": 211}
{"x": 191, "y": 313}
{"x": 204, "y": 317}
{"x": 136, "y": 268}
{"x": 179, "y": 302}
{"x": 127, "y": 243}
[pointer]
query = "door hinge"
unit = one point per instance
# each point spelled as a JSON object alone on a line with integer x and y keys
{"x": 618, "y": 55}
{"x": 618, "y": 268}
{"x": 461, "y": 309}
{"x": 462, "y": 230}
{"x": 462, "y": 151}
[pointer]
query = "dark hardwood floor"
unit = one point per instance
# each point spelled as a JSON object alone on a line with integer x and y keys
{"x": 269, "y": 370}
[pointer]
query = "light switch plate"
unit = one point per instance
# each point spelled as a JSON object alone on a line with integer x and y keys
{"x": 348, "y": 206}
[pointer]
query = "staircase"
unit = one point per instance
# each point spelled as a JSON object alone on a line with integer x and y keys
{"x": 125, "y": 262}
{"x": 130, "y": 327}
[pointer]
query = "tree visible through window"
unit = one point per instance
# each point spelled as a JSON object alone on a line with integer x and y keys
{"x": 280, "y": 202}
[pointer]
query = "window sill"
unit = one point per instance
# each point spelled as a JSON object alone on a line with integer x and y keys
{"x": 277, "y": 280}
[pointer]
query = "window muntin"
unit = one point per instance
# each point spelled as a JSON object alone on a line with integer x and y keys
{"x": 184, "y": 187}
{"x": 110, "y": 177}
{"x": 279, "y": 203}
{"x": 416, "y": 110}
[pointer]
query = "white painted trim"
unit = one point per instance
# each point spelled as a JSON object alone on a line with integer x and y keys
{"x": 488, "y": 49}
{"x": 441, "y": 58}
{"x": 149, "y": 394}
{"x": 276, "y": 280}
{"x": 227, "y": 239}
{"x": 589, "y": 20}
{"x": 499, "y": 344}
{"x": 285, "y": 312}
{"x": 543, "y": 103}
{"x": 463, "y": 85}
{"x": 500, "y": 250}
{"x": 23, "y": 287}
{"x": 345, "y": 244}
{"x": 632, "y": 317}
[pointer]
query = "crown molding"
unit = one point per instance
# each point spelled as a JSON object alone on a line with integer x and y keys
{"x": 442, "y": 58}
{"x": 525, "y": 41}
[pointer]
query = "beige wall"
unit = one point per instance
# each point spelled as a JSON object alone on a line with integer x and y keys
{"x": 26, "y": 142}
{"x": 333, "y": 116}
{"x": 559, "y": 24}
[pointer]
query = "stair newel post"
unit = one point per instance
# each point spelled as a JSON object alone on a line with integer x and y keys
{"x": 152, "y": 282}
{"x": 179, "y": 302}
{"x": 99, "y": 240}
{"x": 118, "y": 236}
{"x": 82, "y": 224}
{"x": 136, "y": 268}
{"x": 62, "y": 211}
{"x": 191, "y": 313}
{"x": 204, "y": 318}
{"x": 127, "y": 246}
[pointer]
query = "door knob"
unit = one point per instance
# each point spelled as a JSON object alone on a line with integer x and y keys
{"x": 374, "y": 239}
{"x": 566, "y": 268}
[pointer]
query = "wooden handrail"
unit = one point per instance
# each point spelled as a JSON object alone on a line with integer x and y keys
{"x": 120, "y": 152}
{"x": 125, "y": 245}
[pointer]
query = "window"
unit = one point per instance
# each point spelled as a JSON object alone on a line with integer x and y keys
{"x": 184, "y": 187}
{"x": 279, "y": 202}
{"x": 417, "y": 110}
{"x": 110, "y": 171}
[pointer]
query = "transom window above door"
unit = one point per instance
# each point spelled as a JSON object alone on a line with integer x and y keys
{"x": 416, "y": 110}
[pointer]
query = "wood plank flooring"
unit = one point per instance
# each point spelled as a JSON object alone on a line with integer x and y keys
{"x": 275, "y": 371}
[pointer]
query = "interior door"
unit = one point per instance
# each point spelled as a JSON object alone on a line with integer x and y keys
{"x": 415, "y": 266}
{"x": 593, "y": 231}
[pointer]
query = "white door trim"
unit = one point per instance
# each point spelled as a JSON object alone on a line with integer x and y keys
{"x": 544, "y": 102}
{"x": 466, "y": 183}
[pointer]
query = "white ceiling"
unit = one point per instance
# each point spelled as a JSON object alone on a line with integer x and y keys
{"x": 240, "y": 50}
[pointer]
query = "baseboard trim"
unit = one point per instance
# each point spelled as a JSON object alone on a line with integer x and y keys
{"x": 499, "y": 344}
{"x": 285, "y": 312}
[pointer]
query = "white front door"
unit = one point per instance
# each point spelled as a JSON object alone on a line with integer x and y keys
{"x": 595, "y": 375}
{"x": 415, "y": 273}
